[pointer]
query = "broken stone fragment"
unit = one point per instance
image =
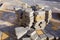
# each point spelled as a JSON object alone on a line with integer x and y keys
{"x": 21, "y": 31}
{"x": 34, "y": 36}
{"x": 3, "y": 35}
{"x": 26, "y": 39}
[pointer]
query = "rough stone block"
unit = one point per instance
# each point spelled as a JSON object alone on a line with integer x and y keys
{"x": 34, "y": 36}
{"x": 21, "y": 31}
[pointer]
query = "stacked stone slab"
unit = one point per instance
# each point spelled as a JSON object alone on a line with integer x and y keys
{"x": 19, "y": 13}
{"x": 40, "y": 19}
{"x": 48, "y": 14}
{"x": 28, "y": 17}
{"x": 25, "y": 17}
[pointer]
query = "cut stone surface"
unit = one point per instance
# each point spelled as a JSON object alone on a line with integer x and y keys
{"x": 26, "y": 39}
{"x": 20, "y": 31}
{"x": 34, "y": 36}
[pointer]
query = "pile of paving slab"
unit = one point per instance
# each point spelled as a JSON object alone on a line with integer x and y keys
{"x": 29, "y": 21}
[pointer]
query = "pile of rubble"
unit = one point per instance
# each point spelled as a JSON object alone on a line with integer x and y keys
{"x": 30, "y": 19}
